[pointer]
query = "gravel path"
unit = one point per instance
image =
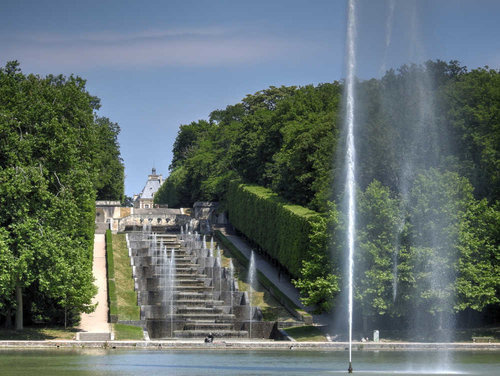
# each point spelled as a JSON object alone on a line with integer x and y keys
{"x": 97, "y": 321}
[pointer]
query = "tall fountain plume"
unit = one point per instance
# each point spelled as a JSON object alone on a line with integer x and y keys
{"x": 231, "y": 281}
{"x": 251, "y": 281}
{"x": 350, "y": 159}
{"x": 171, "y": 277}
{"x": 165, "y": 270}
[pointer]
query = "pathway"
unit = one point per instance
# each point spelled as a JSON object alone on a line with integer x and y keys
{"x": 271, "y": 272}
{"x": 266, "y": 268}
{"x": 97, "y": 321}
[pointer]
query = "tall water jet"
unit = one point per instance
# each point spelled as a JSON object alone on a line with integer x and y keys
{"x": 351, "y": 159}
{"x": 204, "y": 242}
{"x": 165, "y": 278}
{"x": 171, "y": 275}
{"x": 251, "y": 280}
{"x": 231, "y": 282}
{"x": 219, "y": 264}
{"x": 212, "y": 243}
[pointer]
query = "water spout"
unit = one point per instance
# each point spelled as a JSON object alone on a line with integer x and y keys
{"x": 351, "y": 159}
{"x": 251, "y": 280}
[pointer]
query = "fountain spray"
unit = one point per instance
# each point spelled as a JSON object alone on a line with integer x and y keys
{"x": 351, "y": 26}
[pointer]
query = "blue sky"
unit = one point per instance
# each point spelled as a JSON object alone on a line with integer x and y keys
{"x": 158, "y": 64}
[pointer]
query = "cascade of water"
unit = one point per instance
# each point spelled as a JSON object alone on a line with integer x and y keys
{"x": 251, "y": 279}
{"x": 165, "y": 277}
{"x": 351, "y": 160}
{"x": 182, "y": 233}
{"x": 231, "y": 281}
{"x": 219, "y": 262}
{"x": 172, "y": 288}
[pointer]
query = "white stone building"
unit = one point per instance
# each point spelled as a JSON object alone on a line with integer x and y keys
{"x": 144, "y": 200}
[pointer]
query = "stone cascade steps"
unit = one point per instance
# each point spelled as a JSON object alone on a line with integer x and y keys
{"x": 203, "y": 333}
{"x": 195, "y": 309}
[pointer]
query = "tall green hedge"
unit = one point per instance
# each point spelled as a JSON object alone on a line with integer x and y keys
{"x": 112, "y": 298}
{"x": 278, "y": 227}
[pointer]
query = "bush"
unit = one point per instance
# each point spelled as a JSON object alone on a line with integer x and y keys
{"x": 110, "y": 265}
{"x": 281, "y": 229}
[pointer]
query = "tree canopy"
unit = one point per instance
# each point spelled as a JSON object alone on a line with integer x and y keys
{"x": 428, "y": 183}
{"x": 56, "y": 157}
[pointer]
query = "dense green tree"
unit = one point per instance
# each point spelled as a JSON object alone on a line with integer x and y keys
{"x": 438, "y": 205}
{"x": 55, "y": 155}
{"x": 110, "y": 179}
{"x": 319, "y": 282}
{"x": 427, "y": 136}
{"x": 375, "y": 257}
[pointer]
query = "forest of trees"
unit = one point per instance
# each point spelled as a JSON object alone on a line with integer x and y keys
{"x": 440, "y": 116}
{"x": 56, "y": 158}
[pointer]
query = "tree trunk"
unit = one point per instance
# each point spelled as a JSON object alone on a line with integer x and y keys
{"x": 365, "y": 324}
{"x": 8, "y": 319}
{"x": 65, "y": 317}
{"x": 19, "y": 310}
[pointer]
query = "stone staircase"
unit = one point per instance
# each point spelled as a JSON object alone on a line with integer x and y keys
{"x": 202, "y": 293}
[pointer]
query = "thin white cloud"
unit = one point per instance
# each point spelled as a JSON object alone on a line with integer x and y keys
{"x": 149, "y": 48}
{"x": 112, "y": 36}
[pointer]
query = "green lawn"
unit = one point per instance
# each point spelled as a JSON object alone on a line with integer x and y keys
{"x": 129, "y": 332}
{"x": 37, "y": 334}
{"x": 307, "y": 333}
{"x": 126, "y": 297}
{"x": 122, "y": 296}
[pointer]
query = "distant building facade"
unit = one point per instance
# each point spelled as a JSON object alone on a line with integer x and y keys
{"x": 144, "y": 200}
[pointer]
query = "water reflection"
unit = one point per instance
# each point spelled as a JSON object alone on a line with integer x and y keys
{"x": 86, "y": 362}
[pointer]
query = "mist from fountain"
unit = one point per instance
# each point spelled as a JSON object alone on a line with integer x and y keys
{"x": 219, "y": 265}
{"x": 350, "y": 159}
{"x": 251, "y": 281}
{"x": 231, "y": 282}
{"x": 171, "y": 281}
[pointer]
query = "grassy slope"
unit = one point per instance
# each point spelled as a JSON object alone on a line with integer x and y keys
{"x": 306, "y": 333}
{"x": 126, "y": 297}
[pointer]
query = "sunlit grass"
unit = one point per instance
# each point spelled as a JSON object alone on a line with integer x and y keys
{"x": 37, "y": 334}
{"x": 127, "y": 332}
{"x": 125, "y": 294}
{"x": 306, "y": 333}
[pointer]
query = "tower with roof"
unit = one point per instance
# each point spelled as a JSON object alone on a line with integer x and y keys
{"x": 144, "y": 200}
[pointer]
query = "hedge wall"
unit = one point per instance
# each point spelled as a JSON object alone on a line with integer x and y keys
{"x": 110, "y": 266}
{"x": 278, "y": 227}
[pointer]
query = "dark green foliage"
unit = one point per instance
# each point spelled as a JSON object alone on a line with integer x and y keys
{"x": 319, "y": 281}
{"x": 110, "y": 268}
{"x": 110, "y": 180}
{"x": 55, "y": 154}
{"x": 428, "y": 153}
{"x": 281, "y": 138}
{"x": 282, "y": 229}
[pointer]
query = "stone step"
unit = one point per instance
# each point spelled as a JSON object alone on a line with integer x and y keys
{"x": 91, "y": 336}
{"x": 199, "y": 310}
{"x": 200, "y": 302}
{"x": 207, "y": 317}
{"x": 204, "y": 333}
{"x": 209, "y": 326}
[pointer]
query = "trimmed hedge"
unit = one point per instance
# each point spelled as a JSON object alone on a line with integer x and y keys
{"x": 281, "y": 229}
{"x": 110, "y": 266}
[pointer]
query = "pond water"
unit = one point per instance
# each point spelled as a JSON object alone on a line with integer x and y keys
{"x": 43, "y": 362}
